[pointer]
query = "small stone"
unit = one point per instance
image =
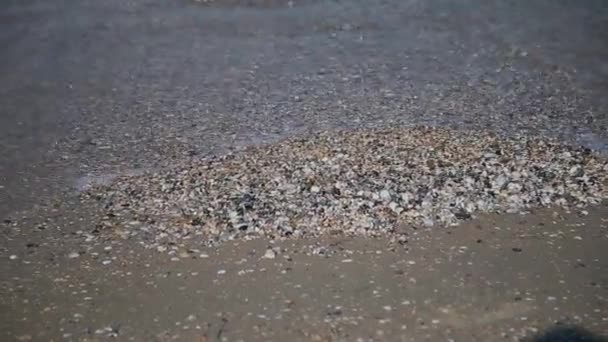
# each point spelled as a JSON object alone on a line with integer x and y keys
{"x": 395, "y": 207}
{"x": 13, "y": 257}
{"x": 269, "y": 254}
{"x": 106, "y": 262}
{"x": 220, "y": 272}
{"x": 385, "y": 195}
{"x": 73, "y": 255}
{"x": 462, "y": 215}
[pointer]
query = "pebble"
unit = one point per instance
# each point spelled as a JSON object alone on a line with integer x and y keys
{"x": 363, "y": 182}
{"x": 73, "y": 255}
{"x": 184, "y": 255}
{"x": 13, "y": 257}
{"x": 270, "y": 254}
